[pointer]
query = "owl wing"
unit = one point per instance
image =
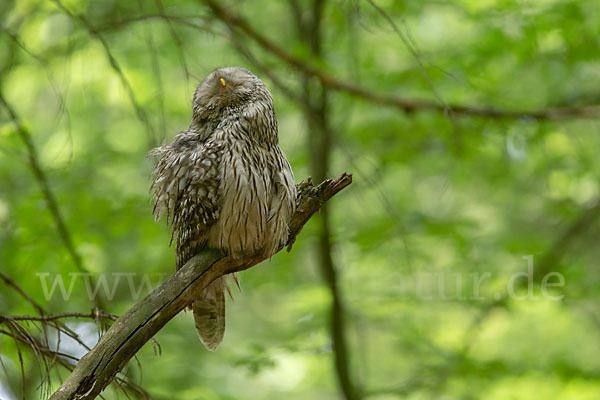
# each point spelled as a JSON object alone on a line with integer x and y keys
{"x": 186, "y": 188}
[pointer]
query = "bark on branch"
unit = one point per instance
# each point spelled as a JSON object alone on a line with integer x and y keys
{"x": 129, "y": 333}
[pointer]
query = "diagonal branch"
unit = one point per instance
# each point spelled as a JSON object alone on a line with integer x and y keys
{"x": 580, "y": 226}
{"x": 557, "y": 113}
{"x": 129, "y": 333}
{"x": 40, "y": 177}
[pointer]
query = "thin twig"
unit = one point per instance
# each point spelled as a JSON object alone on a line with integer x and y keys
{"x": 48, "y": 356}
{"x": 157, "y": 75}
{"x": 62, "y": 106}
{"x": 413, "y": 51}
{"x": 22, "y": 367}
{"x": 12, "y": 283}
{"x": 182, "y": 20}
{"x": 95, "y": 315}
{"x": 141, "y": 114}
{"x": 176, "y": 39}
{"x": 54, "y": 321}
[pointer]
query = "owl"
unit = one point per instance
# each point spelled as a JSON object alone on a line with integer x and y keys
{"x": 225, "y": 184}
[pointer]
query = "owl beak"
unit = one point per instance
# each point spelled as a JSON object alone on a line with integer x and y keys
{"x": 223, "y": 82}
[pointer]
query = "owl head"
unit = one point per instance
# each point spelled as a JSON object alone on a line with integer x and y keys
{"x": 226, "y": 90}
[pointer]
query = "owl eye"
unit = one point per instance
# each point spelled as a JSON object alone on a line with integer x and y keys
{"x": 223, "y": 82}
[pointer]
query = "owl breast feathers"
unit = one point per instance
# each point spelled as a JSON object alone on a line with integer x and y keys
{"x": 224, "y": 183}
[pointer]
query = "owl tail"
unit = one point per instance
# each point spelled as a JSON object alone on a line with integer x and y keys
{"x": 209, "y": 314}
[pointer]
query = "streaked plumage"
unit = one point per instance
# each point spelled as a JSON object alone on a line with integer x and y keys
{"x": 224, "y": 183}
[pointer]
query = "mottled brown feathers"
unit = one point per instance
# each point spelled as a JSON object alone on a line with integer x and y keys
{"x": 225, "y": 183}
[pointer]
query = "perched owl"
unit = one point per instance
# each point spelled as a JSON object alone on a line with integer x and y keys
{"x": 224, "y": 183}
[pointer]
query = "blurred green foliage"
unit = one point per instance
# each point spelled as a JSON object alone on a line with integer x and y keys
{"x": 437, "y": 202}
